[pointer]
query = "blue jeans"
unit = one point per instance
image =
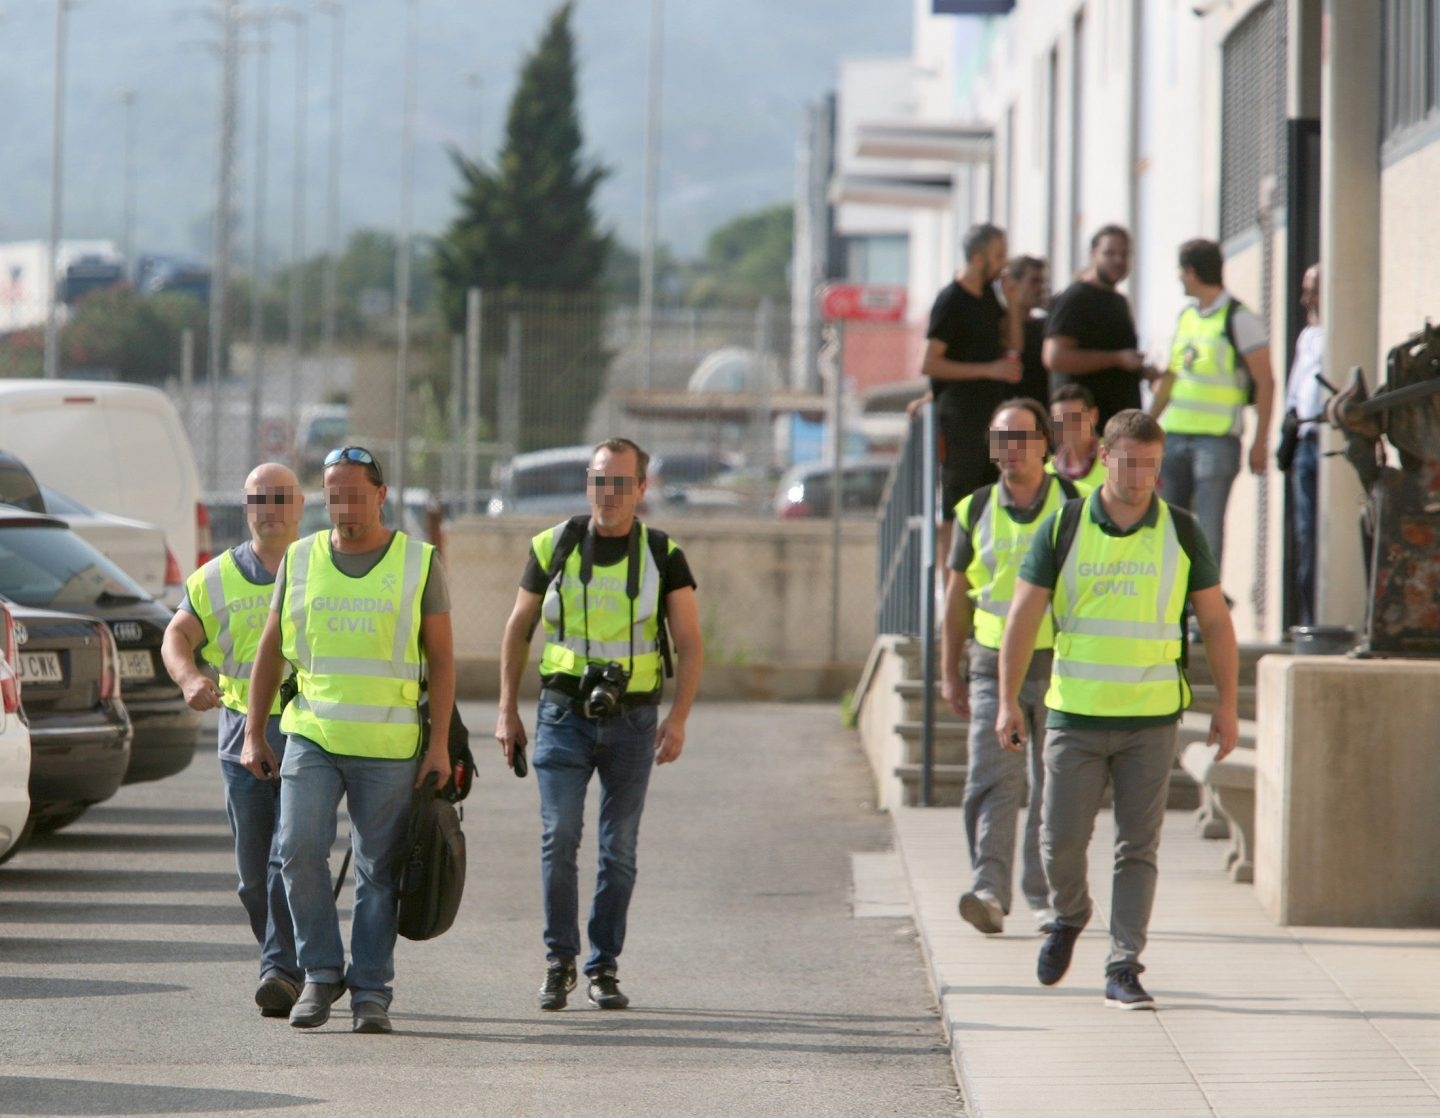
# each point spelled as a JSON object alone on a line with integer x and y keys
{"x": 568, "y": 749}
{"x": 1196, "y": 474}
{"x": 377, "y": 796}
{"x": 994, "y": 785}
{"x": 1304, "y": 491}
{"x": 253, "y": 807}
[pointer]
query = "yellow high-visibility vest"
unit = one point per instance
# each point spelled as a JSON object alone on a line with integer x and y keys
{"x": 355, "y": 644}
{"x": 1210, "y": 388}
{"x": 232, "y": 610}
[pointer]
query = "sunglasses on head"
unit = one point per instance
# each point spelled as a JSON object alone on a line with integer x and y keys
{"x": 359, "y": 456}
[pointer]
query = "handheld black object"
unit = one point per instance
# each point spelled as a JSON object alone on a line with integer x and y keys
{"x": 1014, "y": 738}
{"x": 517, "y": 759}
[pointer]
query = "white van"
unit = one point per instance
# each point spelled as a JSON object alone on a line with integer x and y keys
{"x": 120, "y": 448}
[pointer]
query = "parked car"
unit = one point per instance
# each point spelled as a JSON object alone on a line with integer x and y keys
{"x": 543, "y": 483}
{"x": 14, "y": 747}
{"x": 80, "y": 733}
{"x": 116, "y": 447}
{"x": 44, "y": 565}
{"x": 672, "y": 472}
{"x": 807, "y": 491}
{"x": 321, "y": 428}
{"x": 228, "y": 525}
{"x": 137, "y": 548}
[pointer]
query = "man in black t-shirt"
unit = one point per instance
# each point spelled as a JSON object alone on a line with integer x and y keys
{"x": 1090, "y": 338}
{"x": 602, "y": 602}
{"x": 972, "y": 359}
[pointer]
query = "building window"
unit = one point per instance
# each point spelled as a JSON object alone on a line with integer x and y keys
{"x": 1251, "y": 115}
{"x": 1412, "y": 69}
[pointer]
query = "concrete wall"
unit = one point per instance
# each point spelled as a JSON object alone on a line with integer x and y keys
{"x": 764, "y": 593}
{"x": 1346, "y": 827}
{"x": 1409, "y": 247}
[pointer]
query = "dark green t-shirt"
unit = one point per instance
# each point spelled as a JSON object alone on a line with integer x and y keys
{"x": 1040, "y": 568}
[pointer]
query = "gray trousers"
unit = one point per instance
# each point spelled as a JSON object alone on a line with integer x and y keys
{"x": 994, "y": 786}
{"x": 1077, "y": 765}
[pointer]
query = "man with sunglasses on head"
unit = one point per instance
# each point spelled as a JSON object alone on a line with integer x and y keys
{"x": 226, "y": 603}
{"x": 362, "y": 613}
{"x": 607, "y": 587}
{"x": 993, "y": 528}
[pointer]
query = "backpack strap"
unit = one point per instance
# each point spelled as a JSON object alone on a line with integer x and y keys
{"x": 660, "y": 555}
{"x": 1067, "y": 524}
{"x": 1068, "y": 487}
{"x": 1233, "y": 306}
{"x": 978, "y": 500}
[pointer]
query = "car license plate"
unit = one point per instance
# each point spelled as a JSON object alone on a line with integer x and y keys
{"x": 41, "y": 667}
{"x": 136, "y": 665}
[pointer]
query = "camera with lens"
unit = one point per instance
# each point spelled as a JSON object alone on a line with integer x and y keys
{"x": 601, "y": 687}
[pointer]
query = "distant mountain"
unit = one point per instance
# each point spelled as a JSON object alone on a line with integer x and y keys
{"x": 736, "y": 78}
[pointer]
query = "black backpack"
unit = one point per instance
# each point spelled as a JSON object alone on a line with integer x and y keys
{"x": 462, "y": 760}
{"x": 432, "y": 881}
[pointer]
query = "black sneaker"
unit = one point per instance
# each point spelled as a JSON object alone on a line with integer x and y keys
{"x": 605, "y": 991}
{"x": 1055, "y": 952}
{"x": 559, "y": 981}
{"x": 1123, "y": 991}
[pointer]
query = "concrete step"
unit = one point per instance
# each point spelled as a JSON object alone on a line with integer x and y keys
{"x": 913, "y": 692}
{"x": 947, "y": 785}
{"x": 950, "y": 741}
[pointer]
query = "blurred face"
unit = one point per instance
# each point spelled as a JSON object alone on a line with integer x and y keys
{"x": 1111, "y": 259}
{"x": 612, "y": 488}
{"x": 273, "y": 503}
{"x": 1310, "y": 291}
{"x": 992, "y": 260}
{"x": 1017, "y": 446}
{"x": 1189, "y": 281}
{"x": 354, "y": 500}
{"x": 1074, "y": 424}
{"x": 1134, "y": 468}
{"x": 1035, "y": 287}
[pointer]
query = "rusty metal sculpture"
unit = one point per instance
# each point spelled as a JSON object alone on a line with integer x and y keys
{"x": 1402, "y": 513}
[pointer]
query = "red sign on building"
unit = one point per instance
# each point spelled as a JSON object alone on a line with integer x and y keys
{"x": 862, "y": 302}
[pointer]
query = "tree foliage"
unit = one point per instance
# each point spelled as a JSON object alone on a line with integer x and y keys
{"x": 134, "y": 336}
{"x": 527, "y": 235}
{"x": 747, "y": 259}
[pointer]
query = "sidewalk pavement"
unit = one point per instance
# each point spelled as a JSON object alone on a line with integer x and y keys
{"x": 1254, "y": 1018}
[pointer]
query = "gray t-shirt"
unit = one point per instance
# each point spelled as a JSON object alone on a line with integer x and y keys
{"x": 232, "y": 723}
{"x": 435, "y": 598}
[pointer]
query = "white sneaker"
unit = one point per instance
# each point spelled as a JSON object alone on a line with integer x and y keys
{"x": 982, "y": 910}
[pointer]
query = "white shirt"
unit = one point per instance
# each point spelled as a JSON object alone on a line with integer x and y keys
{"x": 1304, "y": 392}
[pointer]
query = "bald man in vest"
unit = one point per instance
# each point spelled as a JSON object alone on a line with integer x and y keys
{"x": 607, "y": 587}
{"x": 1114, "y": 570}
{"x": 223, "y": 613}
{"x": 362, "y": 614}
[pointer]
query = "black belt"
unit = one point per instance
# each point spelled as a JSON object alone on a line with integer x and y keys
{"x": 576, "y": 705}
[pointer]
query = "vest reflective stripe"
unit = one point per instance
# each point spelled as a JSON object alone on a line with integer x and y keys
{"x": 232, "y": 610}
{"x": 1118, "y": 607}
{"x": 608, "y": 620}
{"x": 1209, "y": 390}
{"x": 992, "y": 580}
{"x": 355, "y": 644}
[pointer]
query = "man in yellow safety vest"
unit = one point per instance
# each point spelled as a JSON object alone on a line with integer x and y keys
{"x": 1114, "y": 571}
{"x": 222, "y": 616}
{"x": 362, "y": 613}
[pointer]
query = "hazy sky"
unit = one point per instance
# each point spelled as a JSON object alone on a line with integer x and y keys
{"x": 737, "y": 76}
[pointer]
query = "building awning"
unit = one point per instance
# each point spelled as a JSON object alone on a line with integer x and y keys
{"x": 731, "y": 407}
{"x": 913, "y": 191}
{"x": 943, "y": 141}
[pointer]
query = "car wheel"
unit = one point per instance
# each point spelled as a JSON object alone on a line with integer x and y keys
{"x": 49, "y": 824}
{"x": 20, "y": 840}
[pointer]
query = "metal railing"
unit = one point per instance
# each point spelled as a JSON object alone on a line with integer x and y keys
{"x": 905, "y": 599}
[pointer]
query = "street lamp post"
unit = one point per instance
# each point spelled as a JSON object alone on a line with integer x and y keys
{"x": 330, "y": 291}
{"x": 297, "y": 219}
{"x": 649, "y": 199}
{"x": 127, "y": 224}
{"x": 475, "y": 83}
{"x": 257, "y": 262}
{"x": 229, "y": 18}
{"x": 57, "y": 195}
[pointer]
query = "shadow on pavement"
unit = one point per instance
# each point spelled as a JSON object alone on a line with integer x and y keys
{"x": 127, "y": 815}
{"x": 110, "y": 842}
{"x": 31, "y": 989}
{"x": 112, "y": 951}
{"x": 31, "y": 879}
{"x": 25, "y": 1094}
{"x": 83, "y": 912}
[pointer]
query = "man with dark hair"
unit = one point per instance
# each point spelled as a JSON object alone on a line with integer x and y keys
{"x": 1028, "y": 284}
{"x": 607, "y": 587}
{"x": 1219, "y": 361}
{"x": 1077, "y": 441}
{"x": 1090, "y": 336}
{"x": 972, "y": 359}
{"x": 993, "y": 527}
{"x": 1113, "y": 574}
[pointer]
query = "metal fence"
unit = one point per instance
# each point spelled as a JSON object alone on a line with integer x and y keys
{"x": 905, "y": 594}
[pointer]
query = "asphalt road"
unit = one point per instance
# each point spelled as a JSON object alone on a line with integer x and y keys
{"x": 127, "y": 969}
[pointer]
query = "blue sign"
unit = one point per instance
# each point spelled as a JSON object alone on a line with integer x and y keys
{"x": 973, "y": 7}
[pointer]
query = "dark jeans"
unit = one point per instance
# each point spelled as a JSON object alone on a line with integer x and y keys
{"x": 1304, "y": 489}
{"x": 253, "y": 807}
{"x": 568, "y": 750}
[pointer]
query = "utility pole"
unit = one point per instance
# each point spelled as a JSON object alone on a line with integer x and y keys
{"x": 330, "y": 291}
{"x": 402, "y": 265}
{"x": 57, "y": 195}
{"x": 220, "y": 250}
{"x": 297, "y": 214}
{"x": 257, "y": 262}
{"x": 127, "y": 242}
{"x": 649, "y": 202}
